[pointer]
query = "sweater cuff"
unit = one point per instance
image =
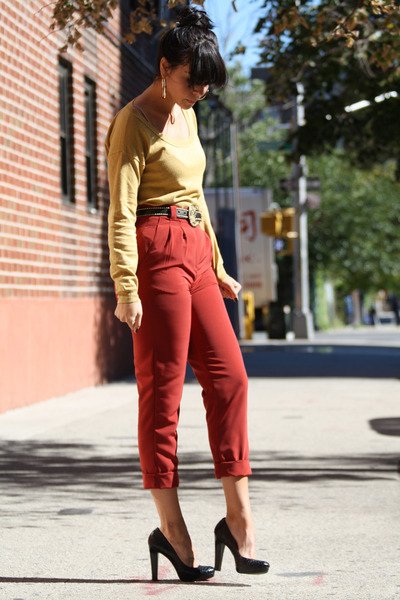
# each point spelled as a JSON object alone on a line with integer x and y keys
{"x": 127, "y": 298}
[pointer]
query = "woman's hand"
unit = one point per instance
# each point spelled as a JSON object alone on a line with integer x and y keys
{"x": 230, "y": 288}
{"x": 131, "y": 314}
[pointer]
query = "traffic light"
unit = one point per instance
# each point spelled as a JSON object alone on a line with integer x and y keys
{"x": 279, "y": 223}
{"x": 271, "y": 223}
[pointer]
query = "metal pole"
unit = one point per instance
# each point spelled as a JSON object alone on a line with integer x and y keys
{"x": 238, "y": 214}
{"x": 302, "y": 316}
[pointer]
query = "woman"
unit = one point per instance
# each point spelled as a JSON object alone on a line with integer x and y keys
{"x": 169, "y": 275}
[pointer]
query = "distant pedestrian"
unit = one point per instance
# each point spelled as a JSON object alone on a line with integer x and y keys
{"x": 164, "y": 256}
{"x": 372, "y": 314}
{"x": 395, "y": 306}
{"x": 349, "y": 309}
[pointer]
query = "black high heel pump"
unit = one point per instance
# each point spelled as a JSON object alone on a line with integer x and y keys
{"x": 158, "y": 544}
{"x": 223, "y": 537}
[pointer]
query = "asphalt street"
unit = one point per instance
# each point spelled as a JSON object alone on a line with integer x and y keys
{"x": 362, "y": 352}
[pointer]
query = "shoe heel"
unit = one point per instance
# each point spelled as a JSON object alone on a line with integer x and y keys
{"x": 224, "y": 537}
{"x": 158, "y": 544}
{"x": 154, "y": 564}
{"x": 219, "y": 553}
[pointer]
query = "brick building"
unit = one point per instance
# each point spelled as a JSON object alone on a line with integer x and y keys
{"x": 57, "y": 328}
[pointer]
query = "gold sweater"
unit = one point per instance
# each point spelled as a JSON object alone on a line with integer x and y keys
{"x": 145, "y": 168}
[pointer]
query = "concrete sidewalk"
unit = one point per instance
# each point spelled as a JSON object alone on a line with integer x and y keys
{"x": 325, "y": 495}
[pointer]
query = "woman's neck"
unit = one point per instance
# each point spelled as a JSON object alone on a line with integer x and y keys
{"x": 166, "y": 116}
{"x": 152, "y": 98}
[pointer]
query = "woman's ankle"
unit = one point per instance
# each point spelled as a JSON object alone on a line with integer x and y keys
{"x": 242, "y": 528}
{"x": 180, "y": 540}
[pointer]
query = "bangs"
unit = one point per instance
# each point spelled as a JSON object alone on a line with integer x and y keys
{"x": 207, "y": 66}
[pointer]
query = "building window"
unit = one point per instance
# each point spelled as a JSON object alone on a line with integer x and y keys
{"x": 66, "y": 129}
{"x": 90, "y": 148}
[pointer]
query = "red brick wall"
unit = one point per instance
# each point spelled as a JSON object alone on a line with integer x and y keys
{"x": 56, "y": 296}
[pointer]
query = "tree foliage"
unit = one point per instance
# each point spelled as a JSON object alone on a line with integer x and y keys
{"x": 342, "y": 52}
{"x": 354, "y": 235}
{"x": 74, "y": 16}
{"x": 369, "y": 28}
{"x": 261, "y": 140}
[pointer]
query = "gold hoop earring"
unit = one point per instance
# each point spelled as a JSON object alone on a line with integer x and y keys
{"x": 163, "y": 88}
{"x": 204, "y": 96}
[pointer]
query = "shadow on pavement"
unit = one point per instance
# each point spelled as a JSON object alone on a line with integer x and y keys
{"x": 60, "y": 467}
{"x": 51, "y": 464}
{"x": 119, "y": 581}
{"x": 387, "y": 426}
{"x": 275, "y": 466}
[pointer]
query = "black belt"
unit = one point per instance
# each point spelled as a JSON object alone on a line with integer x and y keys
{"x": 192, "y": 214}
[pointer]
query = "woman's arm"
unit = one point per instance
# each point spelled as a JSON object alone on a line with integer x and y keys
{"x": 125, "y": 149}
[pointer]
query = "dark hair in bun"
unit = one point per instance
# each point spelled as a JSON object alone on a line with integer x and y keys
{"x": 192, "y": 42}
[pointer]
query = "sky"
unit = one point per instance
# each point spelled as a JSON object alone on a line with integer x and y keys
{"x": 233, "y": 27}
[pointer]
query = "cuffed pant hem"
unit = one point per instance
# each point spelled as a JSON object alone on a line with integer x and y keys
{"x": 238, "y": 468}
{"x": 159, "y": 481}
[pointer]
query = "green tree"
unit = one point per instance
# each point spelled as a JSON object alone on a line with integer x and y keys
{"x": 342, "y": 52}
{"x": 354, "y": 235}
{"x": 261, "y": 139}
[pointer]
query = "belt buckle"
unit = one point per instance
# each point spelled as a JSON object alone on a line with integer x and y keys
{"x": 193, "y": 219}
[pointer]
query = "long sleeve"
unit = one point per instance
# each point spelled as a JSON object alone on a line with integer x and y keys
{"x": 124, "y": 180}
{"x": 126, "y": 148}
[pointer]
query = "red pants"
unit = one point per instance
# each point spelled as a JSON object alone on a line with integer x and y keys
{"x": 184, "y": 319}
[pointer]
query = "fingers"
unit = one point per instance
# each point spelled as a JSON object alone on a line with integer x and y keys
{"x": 236, "y": 289}
{"x": 230, "y": 288}
{"x": 132, "y": 324}
{"x": 136, "y": 323}
{"x": 229, "y": 293}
